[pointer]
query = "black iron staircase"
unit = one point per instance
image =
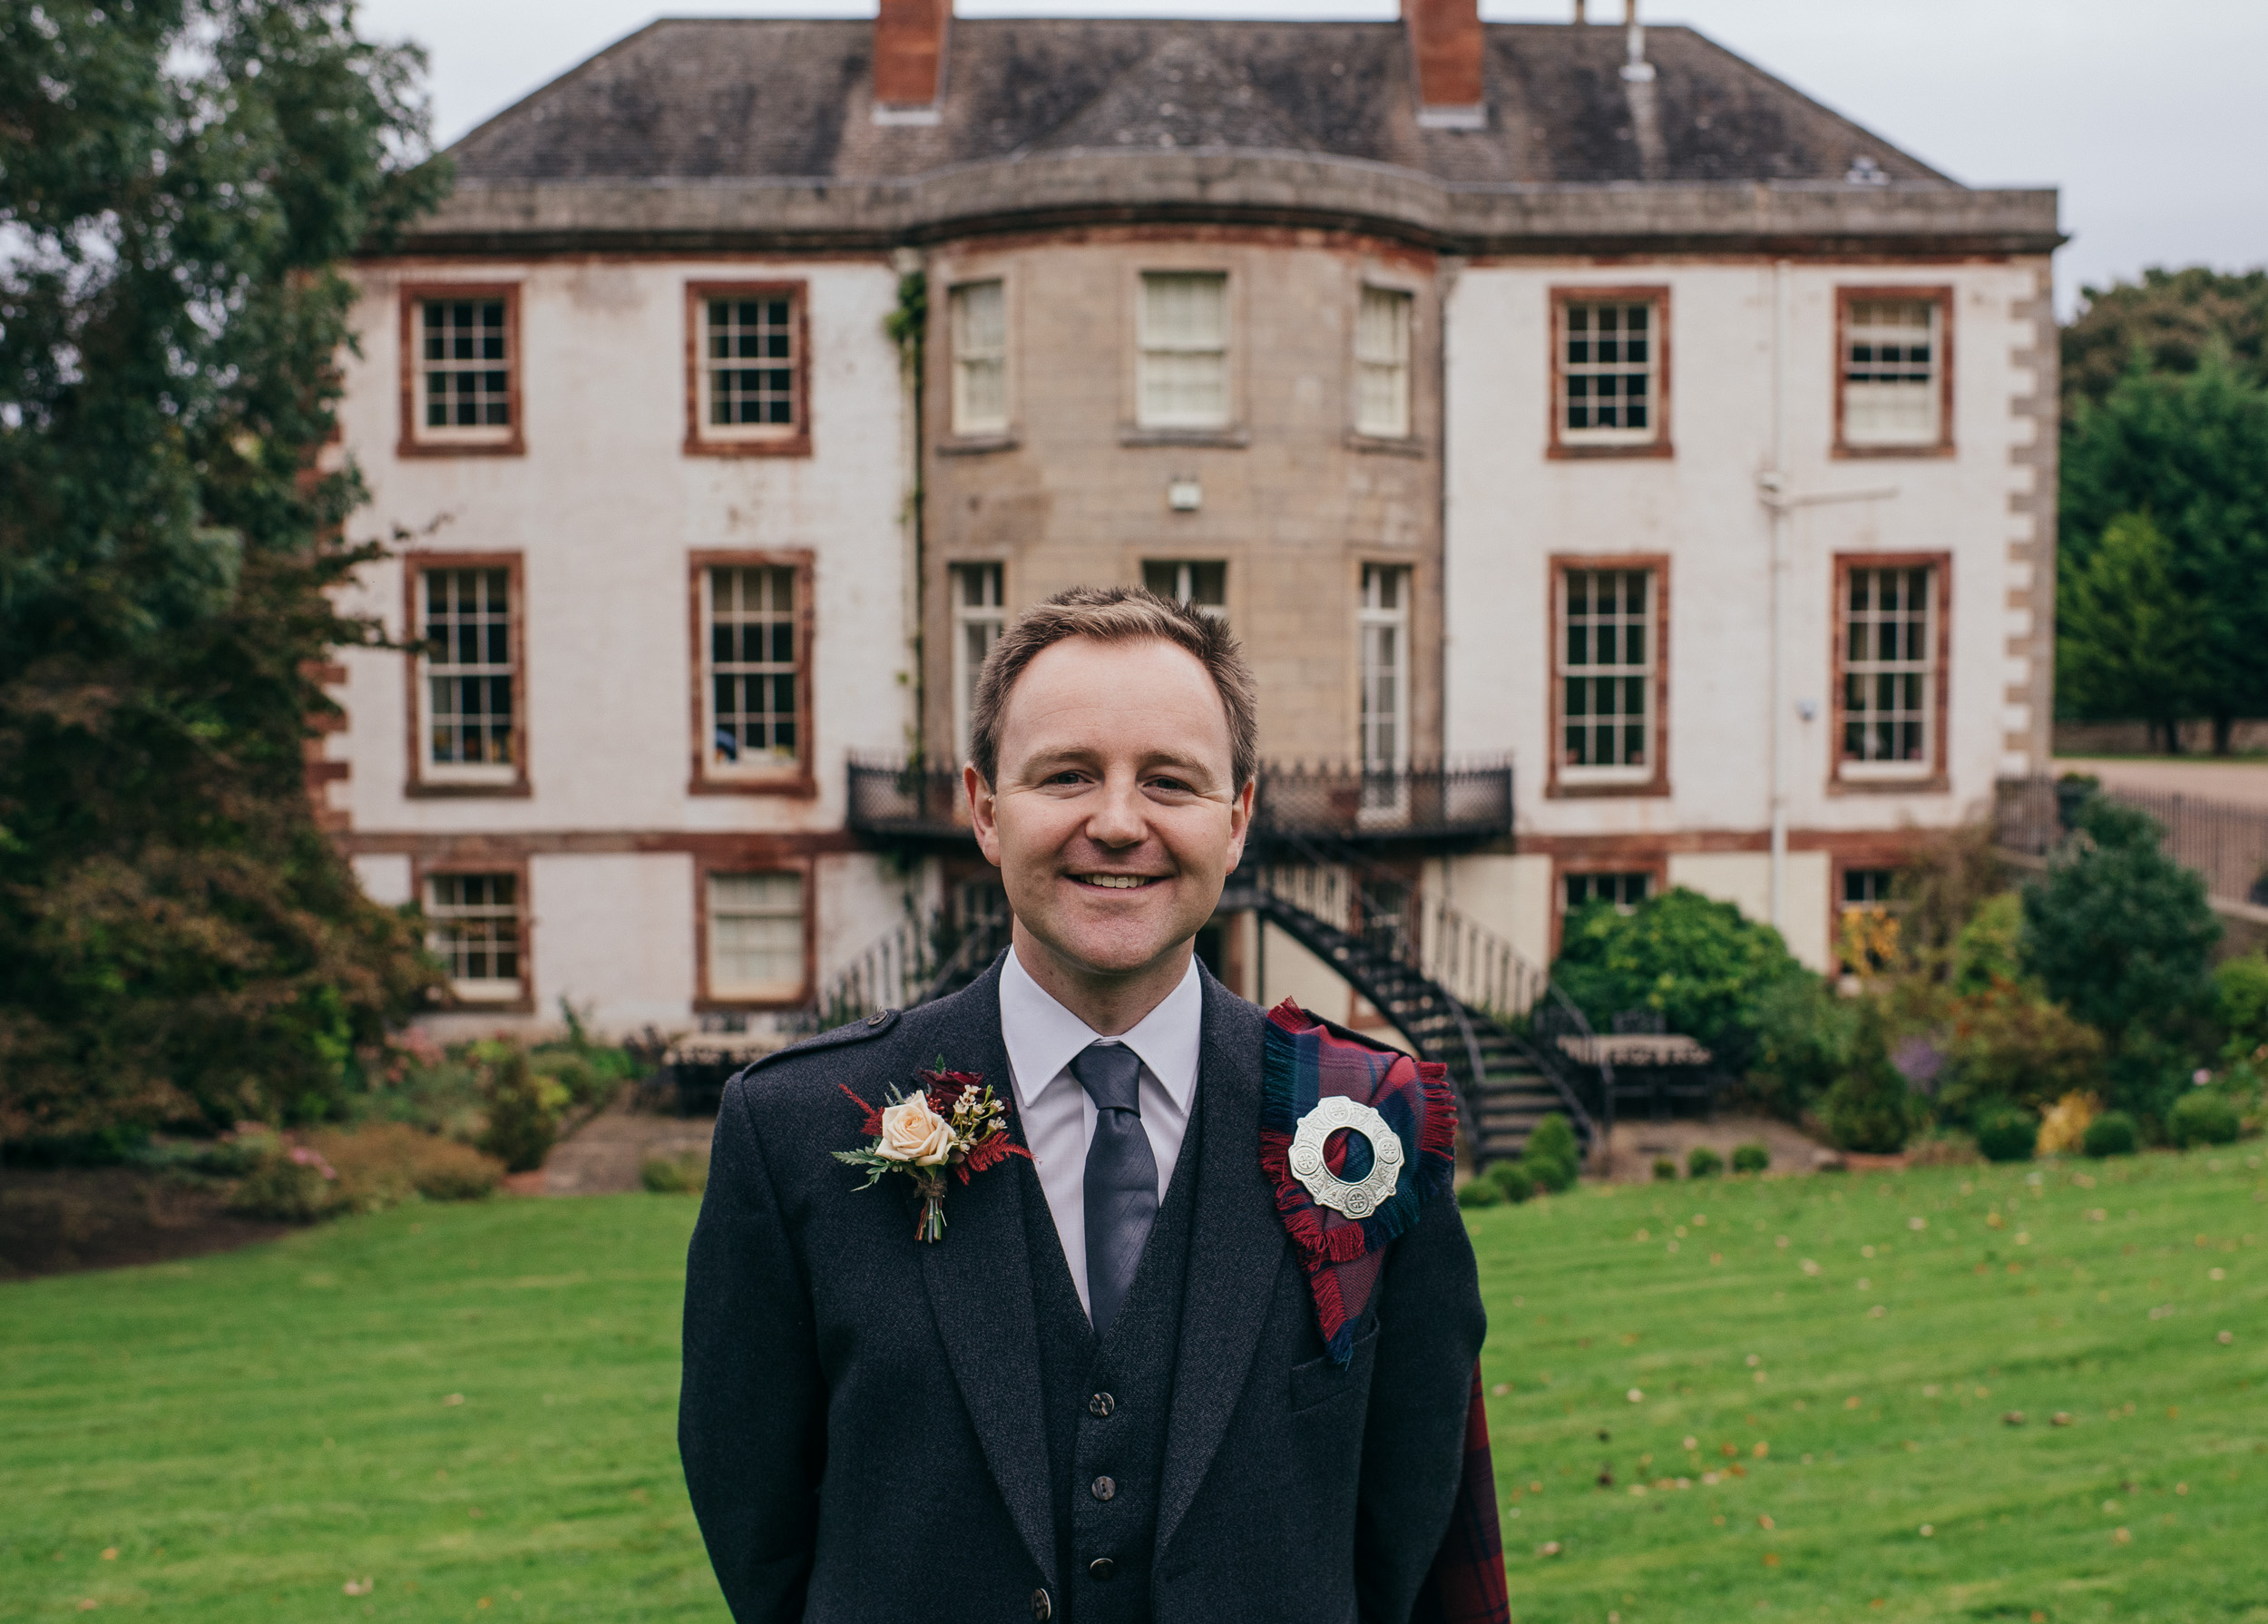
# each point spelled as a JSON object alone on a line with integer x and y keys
{"x": 1460, "y": 994}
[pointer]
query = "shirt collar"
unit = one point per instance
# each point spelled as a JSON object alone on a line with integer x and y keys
{"x": 1041, "y": 1036}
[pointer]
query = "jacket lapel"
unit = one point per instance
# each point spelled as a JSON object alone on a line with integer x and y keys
{"x": 1235, "y": 1245}
{"x": 979, "y": 1279}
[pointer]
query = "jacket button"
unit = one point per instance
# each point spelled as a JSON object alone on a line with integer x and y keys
{"x": 1100, "y": 1569}
{"x": 1042, "y": 1608}
{"x": 1103, "y": 1488}
{"x": 1100, "y": 1405}
{"x": 877, "y": 1019}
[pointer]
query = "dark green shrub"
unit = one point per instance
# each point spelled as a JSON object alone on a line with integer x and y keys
{"x": 1515, "y": 1180}
{"x": 1870, "y": 1108}
{"x": 2202, "y": 1117}
{"x": 2007, "y": 1133}
{"x": 1554, "y": 1156}
{"x": 2111, "y": 1134}
{"x": 523, "y": 1109}
{"x": 1480, "y": 1192}
{"x": 1751, "y": 1158}
{"x": 2119, "y": 933}
{"x": 1701, "y": 1162}
{"x": 1803, "y": 1034}
{"x": 1665, "y": 1168}
{"x": 2239, "y": 988}
{"x": 1701, "y": 963}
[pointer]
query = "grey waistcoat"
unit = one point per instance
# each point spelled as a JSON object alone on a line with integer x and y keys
{"x": 1134, "y": 1368}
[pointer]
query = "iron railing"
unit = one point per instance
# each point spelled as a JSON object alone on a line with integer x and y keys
{"x": 922, "y": 956}
{"x": 1435, "y": 803}
{"x": 1481, "y": 972}
{"x": 2227, "y": 844}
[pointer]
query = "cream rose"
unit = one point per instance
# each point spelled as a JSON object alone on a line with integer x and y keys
{"x": 913, "y": 1132}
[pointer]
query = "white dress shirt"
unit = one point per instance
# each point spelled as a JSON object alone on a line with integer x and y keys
{"x": 1059, "y": 1119}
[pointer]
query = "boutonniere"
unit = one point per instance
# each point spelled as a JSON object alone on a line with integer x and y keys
{"x": 952, "y": 1122}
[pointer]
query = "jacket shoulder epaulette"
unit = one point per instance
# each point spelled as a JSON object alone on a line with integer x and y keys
{"x": 865, "y": 1030}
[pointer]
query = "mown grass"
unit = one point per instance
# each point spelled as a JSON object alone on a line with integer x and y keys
{"x": 251, "y": 1432}
{"x": 1845, "y": 1355}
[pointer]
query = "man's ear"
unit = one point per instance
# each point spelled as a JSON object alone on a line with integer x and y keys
{"x": 981, "y": 813}
{"x": 1240, "y": 820}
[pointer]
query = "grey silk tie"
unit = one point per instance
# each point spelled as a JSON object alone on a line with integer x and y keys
{"x": 1121, "y": 1178}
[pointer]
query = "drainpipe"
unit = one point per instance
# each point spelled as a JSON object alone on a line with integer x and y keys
{"x": 1775, "y": 486}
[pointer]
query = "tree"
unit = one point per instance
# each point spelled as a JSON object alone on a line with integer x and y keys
{"x": 177, "y": 182}
{"x": 2173, "y": 318}
{"x": 2121, "y": 935}
{"x": 2124, "y": 634}
{"x": 2191, "y": 452}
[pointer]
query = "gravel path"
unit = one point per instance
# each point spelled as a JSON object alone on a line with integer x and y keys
{"x": 2230, "y": 783}
{"x": 603, "y": 1156}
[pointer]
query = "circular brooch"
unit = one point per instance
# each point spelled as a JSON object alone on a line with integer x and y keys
{"x": 1357, "y": 1199}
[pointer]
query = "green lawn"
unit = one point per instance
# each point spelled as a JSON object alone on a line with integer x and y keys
{"x": 1843, "y": 1354}
{"x": 249, "y": 1432}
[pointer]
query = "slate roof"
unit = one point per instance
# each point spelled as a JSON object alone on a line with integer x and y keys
{"x": 691, "y": 100}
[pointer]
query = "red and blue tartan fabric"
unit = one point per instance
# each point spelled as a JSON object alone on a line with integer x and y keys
{"x": 1308, "y": 1060}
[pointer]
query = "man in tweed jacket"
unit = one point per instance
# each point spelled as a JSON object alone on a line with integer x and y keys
{"x": 1102, "y": 1394}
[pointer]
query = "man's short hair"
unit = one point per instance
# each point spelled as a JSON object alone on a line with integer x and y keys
{"x": 1117, "y": 614}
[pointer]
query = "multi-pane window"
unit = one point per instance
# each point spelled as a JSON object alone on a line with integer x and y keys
{"x": 755, "y": 668}
{"x": 1609, "y": 369}
{"x": 1867, "y": 887}
{"x": 1625, "y": 890}
{"x": 980, "y": 359}
{"x": 473, "y": 924}
{"x": 1187, "y": 582}
{"x": 1607, "y": 670}
{"x": 755, "y": 936}
{"x": 465, "y": 369}
{"x": 470, "y": 672}
{"x": 1384, "y": 627}
{"x": 980, "y": 615}
{"x": 1891, "y": 357}
{"x": 1382, "y": 364}
{"x": 1183, "y": 374}
{"x": 750, "y": 364}
{"x": 1889, "y": 659}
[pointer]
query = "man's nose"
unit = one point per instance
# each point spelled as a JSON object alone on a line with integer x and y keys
{"x": 1121, "y": 819}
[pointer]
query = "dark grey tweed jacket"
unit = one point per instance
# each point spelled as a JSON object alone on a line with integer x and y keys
{"x": 861, "y": 1417}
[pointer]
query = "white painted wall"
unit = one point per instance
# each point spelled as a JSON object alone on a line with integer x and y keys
{"x": 604, "y": 509}
{"x": 1511, "y": 509}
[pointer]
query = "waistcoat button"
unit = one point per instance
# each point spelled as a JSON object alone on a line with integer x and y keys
{"x": 1042, "y": 1608}
{"x": 1100, "y": 1569}
{"x": 1103, "y": 1488}
{"x": 1100, "y": 1405}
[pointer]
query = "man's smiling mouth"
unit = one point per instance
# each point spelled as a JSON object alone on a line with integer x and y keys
{"x": 1118, "y": 882}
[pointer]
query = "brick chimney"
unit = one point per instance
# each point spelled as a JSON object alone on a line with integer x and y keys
{"x": 910, "y": 59}
{"x": 1446, "y": 43}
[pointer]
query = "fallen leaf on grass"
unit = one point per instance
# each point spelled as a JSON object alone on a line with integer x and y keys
{"x": 2119, "y": 1536}
{"x": 453, "y": 1398}
{"x": 111, "y": 1554}
{"x": 357, "y": 1587}
{"x": 1548, "y": 1548}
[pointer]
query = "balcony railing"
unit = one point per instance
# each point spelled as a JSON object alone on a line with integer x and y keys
{"x": 1417, "y": 803}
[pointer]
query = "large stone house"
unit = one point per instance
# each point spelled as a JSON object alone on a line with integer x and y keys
{"x": 1622, "y": 470}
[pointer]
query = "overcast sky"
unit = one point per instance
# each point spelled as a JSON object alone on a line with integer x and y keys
{"x": 2148, "y": 116}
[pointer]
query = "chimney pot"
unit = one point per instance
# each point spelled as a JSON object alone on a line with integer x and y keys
{"x": 1446, "y": 43}
{"x": 910, "y": 52}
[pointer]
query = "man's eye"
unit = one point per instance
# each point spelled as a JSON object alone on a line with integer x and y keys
{"x": 1068, "y": 776}
{"x": 1175, "y": 785}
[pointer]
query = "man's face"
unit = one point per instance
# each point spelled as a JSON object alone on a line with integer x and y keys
{"x": 1116, "y": 818}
